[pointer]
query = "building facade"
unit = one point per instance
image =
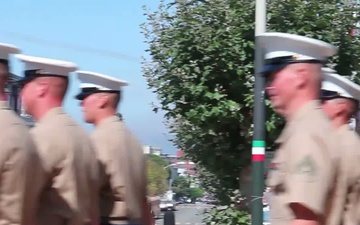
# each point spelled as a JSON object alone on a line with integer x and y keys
{"x": 184, "y": 167}
{"x": 168, "y": 158}
{"x": 147, "y": 149}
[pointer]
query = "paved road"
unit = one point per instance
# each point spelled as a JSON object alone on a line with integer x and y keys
{"x": 191, "y": 214}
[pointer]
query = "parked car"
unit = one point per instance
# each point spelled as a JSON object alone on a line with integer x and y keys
{"x": 181, "y": 200}
{"x": 167, "y": 205}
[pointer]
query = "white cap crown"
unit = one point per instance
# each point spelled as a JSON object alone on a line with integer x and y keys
{"x": 6, "y": 50}
{"x": 299, "y": 47}
{"x": 100, "y": 81}
{"x": 339, "y": 84}
{"x": 47, "y": 66}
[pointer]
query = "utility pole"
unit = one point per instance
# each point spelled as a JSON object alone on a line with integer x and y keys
{"x": 258, "y": 146}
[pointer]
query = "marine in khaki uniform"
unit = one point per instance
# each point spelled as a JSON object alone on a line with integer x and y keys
{"x": 18, "y": 158}
{"x": 69, "y": 194}
{"x": 340, "y": 102}
{"x": 302, "y": 177}
{"x": 123, "y": 193}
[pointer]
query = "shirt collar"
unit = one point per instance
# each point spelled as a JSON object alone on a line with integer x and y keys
{"x": 50, "y": 114}
{"x": 108, "y": 120}
{"x": 304, "y": 111}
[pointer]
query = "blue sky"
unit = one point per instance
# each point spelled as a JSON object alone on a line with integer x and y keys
{"x": 66, "y": 30}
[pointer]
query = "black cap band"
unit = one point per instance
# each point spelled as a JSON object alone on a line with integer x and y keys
{"x": 86, "y": 91}
{"x": 4, "y": 62}
{"x": 326, "y": 94}
{"x": 29, "y": 75}
{"x": 280, "y": 62}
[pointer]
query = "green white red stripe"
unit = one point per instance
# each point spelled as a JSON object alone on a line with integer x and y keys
{"x": 258, "y": 151}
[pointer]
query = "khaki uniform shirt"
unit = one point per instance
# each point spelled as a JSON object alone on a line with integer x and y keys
{"x": 70, "y": 190}
{"x": 19, "y": 170}
{"x": 123, "y": 185}
{"x": 304, "y": 165}
{"x": 346, "y": 208}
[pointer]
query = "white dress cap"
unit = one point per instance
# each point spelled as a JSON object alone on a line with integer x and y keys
{"x": 298, "y": 47}
{"x": 6, "y": 50}
{"x": 343, "y": 87}
{"x": 47, "y": 67}
{"x": 100, "y": 81}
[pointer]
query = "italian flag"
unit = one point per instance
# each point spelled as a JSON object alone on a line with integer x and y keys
{"x": 258, "y": 151}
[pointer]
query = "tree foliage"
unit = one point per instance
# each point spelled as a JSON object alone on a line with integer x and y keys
{"x": 158, "y": 160}
{"x": 227, "y": 216}
{"x": 182, "y": 188}
{"x": 162, "y": 163}
{"x": 201, "y": 69}
{"x": 212, "y": 185}
{"x": 195, "y": 193}
{"x": 157, "y": 175}
{"x": 181, "y": 182}
{"x": 235, "y": 213}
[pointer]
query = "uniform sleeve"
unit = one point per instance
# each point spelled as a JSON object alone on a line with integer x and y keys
{"x": 310, "y": 172}
{"x": 109, "y": 169}
{"x": 12, "y": 178}
{"x": 34, "y": 182}
{"x": 137, "y": 181}
{"x": 100, "y": 159}
{"x": 119, "y": 170}
{"x": 352, "y": 166}
{"x": 21, "y": 176}
{"x": 350, "y": 160}
{"x": 355, "y": 211}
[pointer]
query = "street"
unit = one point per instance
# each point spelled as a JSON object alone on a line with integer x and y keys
{"x": 188, "y": 214}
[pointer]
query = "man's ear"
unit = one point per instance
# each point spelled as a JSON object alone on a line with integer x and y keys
{"x": 341, "y": 108}
{"x": 41, "y": 88}
{"x": 301, "y": 76}
{"x": 102, "y": 100}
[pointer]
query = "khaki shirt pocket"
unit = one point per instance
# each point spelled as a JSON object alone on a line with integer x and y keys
{"x": 276, "y": 181}
{"x": 277, "y": 173}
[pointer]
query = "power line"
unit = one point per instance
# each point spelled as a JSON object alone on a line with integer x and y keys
{"x": 73, "y": 47}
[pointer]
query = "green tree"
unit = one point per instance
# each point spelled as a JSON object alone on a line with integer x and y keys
{"x": 157, "y": 177}
{"x": 162, "y": 163}
{"x": 179, "y": 186}
{"x": 181, "y": 182}
{"x": 201, "y": 68}
{"x": 194, "y": 193}
{"x": 158, "y": 160}
{"x": 212, "y": 184}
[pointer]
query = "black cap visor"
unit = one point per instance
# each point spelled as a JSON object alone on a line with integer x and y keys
{"x": 86, "y": 92}
{"x": 328, "y": 95}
